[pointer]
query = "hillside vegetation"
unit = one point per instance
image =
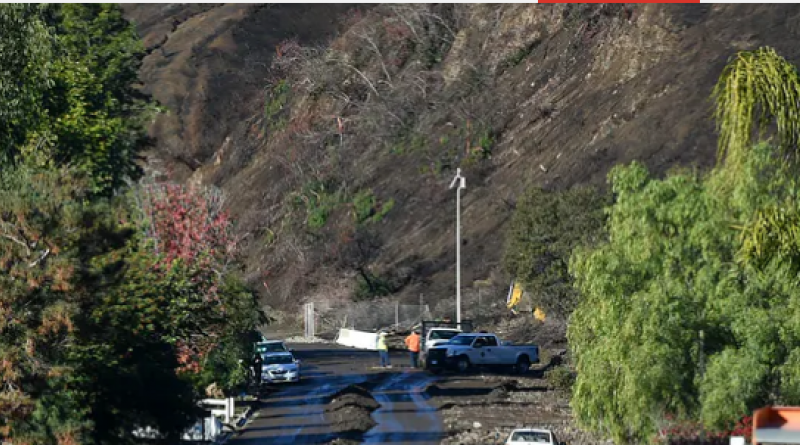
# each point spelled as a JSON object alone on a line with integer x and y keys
{"x": 325, "y": 126}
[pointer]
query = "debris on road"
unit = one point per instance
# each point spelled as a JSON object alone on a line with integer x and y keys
{"x": 485, "y": 409}
{"x": 349, "y": 412}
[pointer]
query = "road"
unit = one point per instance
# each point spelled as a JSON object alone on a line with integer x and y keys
{"x": 294, "y": 414}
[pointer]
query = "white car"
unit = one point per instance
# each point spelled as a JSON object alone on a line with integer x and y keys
{"x": 280, "y": 367}
{"x": 270, "y": 346}
{"x": 529, "y": 436}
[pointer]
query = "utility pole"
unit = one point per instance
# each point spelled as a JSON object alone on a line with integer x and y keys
{"x": 462, "y": 184}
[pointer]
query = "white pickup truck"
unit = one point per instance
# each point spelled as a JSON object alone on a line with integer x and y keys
{"x": 482, "y": 350}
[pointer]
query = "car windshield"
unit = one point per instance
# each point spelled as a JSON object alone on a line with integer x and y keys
{"x": 443, "y": 335}
{"x": 278, "y": 360}
{"x": 531, "y": 436}
{"x": 461, "y": 340}
{"x": 271, "y": 347}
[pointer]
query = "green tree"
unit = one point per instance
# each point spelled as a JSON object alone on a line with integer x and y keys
{"x": 545, "y": 228}
{"x": 96, "y": 116}
{"x": 42, "y": 221}
{"x": 756, "y": 87}
{"x": 68, "y": 86}
{"x": 95, "y": 324}
{"x": 25, "y": 73}
{"x": 670, "y": 322}
{"x": 235, "y": 340}
{"x": 690, "y": 307}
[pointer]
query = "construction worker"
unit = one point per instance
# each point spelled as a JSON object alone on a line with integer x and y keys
{"x": 412, "y": 343}
{"x": 383, "y": 350}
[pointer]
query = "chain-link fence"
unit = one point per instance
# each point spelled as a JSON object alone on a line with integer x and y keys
{"x": 368, "y": 315}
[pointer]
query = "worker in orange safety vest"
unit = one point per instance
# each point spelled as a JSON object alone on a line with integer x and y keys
{"x": 412, "y": 343}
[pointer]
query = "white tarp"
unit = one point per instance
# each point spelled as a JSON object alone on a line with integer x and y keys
{"x": 357, "y": 339}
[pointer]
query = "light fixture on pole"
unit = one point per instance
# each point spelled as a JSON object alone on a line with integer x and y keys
{"x": 462, "y": 184}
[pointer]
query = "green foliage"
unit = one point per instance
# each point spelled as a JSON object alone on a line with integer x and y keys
{"x": 670, "y": 322}
{"x": 560, "y": 377}
{"x": 40, "y": 229}
{"x": 93, "y": 322}
{"x": 277, "y": 96}
{"x": 519, "y": 55}
{"x": 367, "y": 209}
{"x": 25, "y": 73}
{"x": 318, "y": 199}
{"x": 773, "y": 233}
{"x": 85, "y": 331}
{"x": 69, "y": 90}
{"x": 480, "y": 152}
{"x": 412, "y": 143}
{"x": 754, "y": 82}
{"x": 243, "y": 318}
{"x": 99, "y": 330}
{"x": 543, "y": 232}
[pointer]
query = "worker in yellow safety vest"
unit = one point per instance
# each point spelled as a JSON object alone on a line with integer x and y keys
{"x": 383, "y": 350}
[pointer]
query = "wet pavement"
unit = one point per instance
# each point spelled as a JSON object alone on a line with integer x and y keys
{"x": 294, "y": 414}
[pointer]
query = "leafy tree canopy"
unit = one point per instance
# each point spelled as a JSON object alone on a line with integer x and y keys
{"x": 690, "y": 308}
{"x": 68, "y": 80}
{"x": 670, "y": 322}
{"x": 546, "y": 227}
{"x": 114, "y": 307}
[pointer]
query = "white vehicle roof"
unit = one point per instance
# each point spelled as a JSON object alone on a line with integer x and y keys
{"x": 544, "y": 436}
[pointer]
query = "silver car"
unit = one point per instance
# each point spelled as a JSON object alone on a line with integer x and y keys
{"x": 280, "y": 367}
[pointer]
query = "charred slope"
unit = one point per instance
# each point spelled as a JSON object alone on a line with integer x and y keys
{"x": 513, "y": 94}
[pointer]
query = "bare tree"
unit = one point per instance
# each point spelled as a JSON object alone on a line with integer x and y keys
{"x": 359, "y": 253}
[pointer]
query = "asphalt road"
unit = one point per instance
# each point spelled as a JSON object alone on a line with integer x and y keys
{"x": 294, "y": 414}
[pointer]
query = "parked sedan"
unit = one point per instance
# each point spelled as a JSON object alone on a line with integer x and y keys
{"x": 280, "y": 367}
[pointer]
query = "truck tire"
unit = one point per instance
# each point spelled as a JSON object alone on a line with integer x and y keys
{"x": 463, "y": 364}
{"x": 523, "y": 365}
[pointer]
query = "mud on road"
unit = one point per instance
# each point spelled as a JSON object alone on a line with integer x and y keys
{"x": 344, "y": 399}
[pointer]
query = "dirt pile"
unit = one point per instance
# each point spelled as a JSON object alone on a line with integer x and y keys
{"x": 349, "y": 412}
{"x": 484, "y": 409}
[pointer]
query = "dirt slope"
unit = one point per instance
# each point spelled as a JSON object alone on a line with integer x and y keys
{"x": 513, "y": 94}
